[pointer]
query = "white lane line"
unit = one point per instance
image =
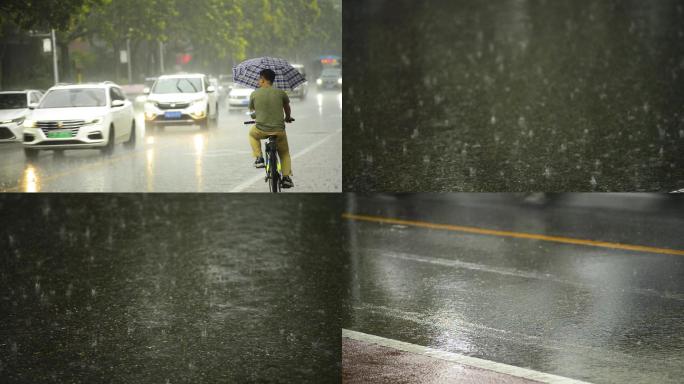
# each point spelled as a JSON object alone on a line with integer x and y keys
{"x": 518, "y": 273}
{"x": 241, "y": 187}
{"x": 506, "y": 369}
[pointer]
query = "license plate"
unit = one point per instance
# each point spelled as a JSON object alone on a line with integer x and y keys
{"x": 172, "y": 115}
{"x": 59, "y": 134}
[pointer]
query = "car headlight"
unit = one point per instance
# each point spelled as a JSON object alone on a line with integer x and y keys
{"x": 339, "y": 81}
{"x": 319, "y": 81}
{"x": 18, "y": 120}
{"x": 150, "y": 104}
{"x": 29, "y": 123}
{"x": 198, "y": 105}
{"x": 93, "y": 121}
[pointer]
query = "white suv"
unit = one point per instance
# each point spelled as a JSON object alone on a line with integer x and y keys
{"x": 80, "y": 116}
{"x": 181, "y": 99}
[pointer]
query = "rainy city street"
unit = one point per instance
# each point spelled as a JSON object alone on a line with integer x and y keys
{"x": 514, "y": 95}
{"x": 187, "y": 159}
{"x": 170, "y": 289}
{"x": 584, "y": 286}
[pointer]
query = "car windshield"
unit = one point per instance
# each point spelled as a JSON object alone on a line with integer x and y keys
{"x": 12, "y": 100}
{"x": 331, "y": 72}
{"x": 74, "y": 97}
{"x": 178, "y": 85}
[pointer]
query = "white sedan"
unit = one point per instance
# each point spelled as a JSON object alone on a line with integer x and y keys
{"x": 239, "y": 96}
{"x": 13, "y": 111}
{"x": 80, "y": 116}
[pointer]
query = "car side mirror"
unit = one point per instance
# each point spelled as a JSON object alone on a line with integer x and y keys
{"x": 32, "y": 105}
{"x": 117, "y": 103}
{"x": 146, "y": 90}
{"x": 211, "y": 89}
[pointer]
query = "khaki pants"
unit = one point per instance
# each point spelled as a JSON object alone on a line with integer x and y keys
{"x": 255, "y": 137}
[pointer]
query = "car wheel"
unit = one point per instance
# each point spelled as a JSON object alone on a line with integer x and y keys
{"x": 132, "y": 139}
{"x": 109, "y": 148}
{"x": 30, "y": 153}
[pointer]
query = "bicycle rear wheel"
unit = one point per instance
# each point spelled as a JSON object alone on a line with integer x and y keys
{"x": 274, "y": 175}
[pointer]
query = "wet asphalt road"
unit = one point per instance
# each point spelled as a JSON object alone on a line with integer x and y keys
{"x": 514, "y": 95}
{"x": 170, "y": 289}
{"x": 186, "y": 159}
{"x": 597, "y": 314}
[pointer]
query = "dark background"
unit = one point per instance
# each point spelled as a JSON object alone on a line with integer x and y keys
{"x": 170, "y": 288}
{"x": 513, "y": 95}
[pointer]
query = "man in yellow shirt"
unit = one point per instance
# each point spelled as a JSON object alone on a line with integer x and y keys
{"x": 268, "y": 104}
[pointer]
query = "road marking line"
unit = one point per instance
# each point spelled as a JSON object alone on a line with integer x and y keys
{"x": 516, "y": 273}
{"x": 505, "y": 369}
{"x": 242, "y": 186}
{"x": 519, "y": 235}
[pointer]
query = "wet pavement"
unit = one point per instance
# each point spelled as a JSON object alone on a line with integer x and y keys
{"x": 170, "y": 289}
{"x": 187, "y": 159}
{"x": 364, "y": 362}
{"x": 514, "y": 95}
{"x": 595, "y": 313}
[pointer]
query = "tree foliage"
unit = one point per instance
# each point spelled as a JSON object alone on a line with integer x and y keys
{"x": 37, "y": 14}
{"x": 215, "y": 32}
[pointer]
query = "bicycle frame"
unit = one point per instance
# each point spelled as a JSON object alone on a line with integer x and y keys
{"x": 274, "y": 175}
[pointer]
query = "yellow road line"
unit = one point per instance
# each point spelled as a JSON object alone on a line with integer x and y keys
{"x": 519, "y": 235}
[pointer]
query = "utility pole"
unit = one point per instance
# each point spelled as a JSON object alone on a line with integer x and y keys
{"x": 161, "y": 57}
{"x": 128, "y": 53}
{"x": 54, "y": 56}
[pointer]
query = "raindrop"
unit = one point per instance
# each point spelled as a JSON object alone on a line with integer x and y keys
{"x": 547, "y": 172}
{"x": 521, "y": 122}
{"x": 405, "y": 59}
{"x": 493, "y": 120}
{"x": 92, "y": 292}
{"x": 426, "y": 159}
{"x": 593, "y": 182}
{"x": 414, "y": 134}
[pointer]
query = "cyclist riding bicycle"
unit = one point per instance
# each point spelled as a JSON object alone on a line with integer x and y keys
{"x": 268, "y": 104}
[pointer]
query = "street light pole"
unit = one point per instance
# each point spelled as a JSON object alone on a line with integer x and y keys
{"x": 54, "y": 56}
{"x": 128, "y": 53}
{"x": 161, "y": 57}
